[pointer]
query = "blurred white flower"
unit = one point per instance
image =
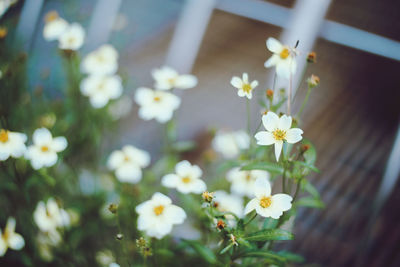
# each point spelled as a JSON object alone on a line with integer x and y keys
{"x": 105, "y": 257}
{"x": 101, "y": 89}
{"x": 243, "y": 182}
{"x": 158, "y": 215}
{"x": 102, "y": 61}
{"x": 186, "y": 179}
{"x": 54, "y": 26}
{"x": 278, "y": 130}
{"x": 11, "y": 144}
{"x": 120, "y": 108}
{"x": 49, "y": 216}
{"x": 225, "y": 202}
{"x": 244, "y": 86}
{"x": 9, "y": 238}
{"x": 128, "y": 163}
{"x": 45, "y": 242}
{"x": 72, "y": 38}
{"x": 229, "y": 144}
{"x": 43, "y": 152}
{"x": 283, "y": 58}
{"x": 167, "y": 78}
{"x": 4, "y": 5}
{"x": 156, "y": 105}
{"x": 267, "y": 205}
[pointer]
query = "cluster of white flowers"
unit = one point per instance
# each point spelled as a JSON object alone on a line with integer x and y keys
{"x": 9, "y": 238}
{"x": 128, "y": 163}
{"x": 49, "y": 216}
{"x": 102, "y": 84}
{"x": 243, "y": 182}
{"x": 160, "y": 105}
{"x": 229, "y": 144}
{"x": 225, "y": 202}
{"x": 69, "y": 36}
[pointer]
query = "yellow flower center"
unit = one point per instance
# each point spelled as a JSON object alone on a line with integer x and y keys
{"x": 284, "y": 54}
{"x": 248, "y": 176}
{"x": 279, "y": 134}
{"x": 171, "y": 81}
{"x": 126, "y": 158}
{"x": 3, "y": 135}
{"x": 247, "y": 88}
{"x": 44, "y": 148}
{"x": 186, "y": 180}
{"x": 157, "y": 98}
{"x": 51, "y": 16}
{"x": 158, "y": 210}
{"x": 265, "y": 202}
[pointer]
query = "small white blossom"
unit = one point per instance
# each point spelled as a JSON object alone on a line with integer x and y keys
{"x": 267, "y": 205}
{"x": 128, "y": 163}
{"x": 102, "y": 61}
{"x": 43, "y": 152}
{"x": 283, "y": 58}
{"x": 278, "y": 130}
{"x": 225, "y": 202}
{"x": 229, "y": 144}
{"x": 186, "y": 179}
{"x": 243, "y": 182}
{"x": 54, "y": 28}
{"x": 158, "y": 215}
{"x": 244, "y": 86}
{"x": 9, "y": 238}
{"x": 11, "y": 144}
{"x": 72, "y": 38}
{"x": 156, "y": 105}
{"x": 101, "y": 89}
{"x": 167, "y": 78}
{"x": 49, "y": 216}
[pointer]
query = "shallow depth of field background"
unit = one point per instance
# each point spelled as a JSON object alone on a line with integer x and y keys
{"x": 352, "y": 118}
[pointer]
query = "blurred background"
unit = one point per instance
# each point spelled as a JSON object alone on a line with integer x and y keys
{"x": 353, "y": 116}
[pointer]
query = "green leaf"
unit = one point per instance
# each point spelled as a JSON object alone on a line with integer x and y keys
{"x": 275, "y": 107}
{"x": 225, "y": 249}
{"x": 183, "y": 146}
{"x": 311, "y": 154}
{"x": 227, "y": 165}
{"x": 270, "y": 223}
{"x": 270, "y": 234}
{"x": 308, "y": 166}
{"x": 291, "y": 257}
{"x": 306, "y": 185}
{"x": 276, "y": 258}
{"x": 203, "y": 251}
{"x": 310, "y": 202}
{"x": 265, "y": 166}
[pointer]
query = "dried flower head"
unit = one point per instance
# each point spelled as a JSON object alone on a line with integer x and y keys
{"x": 304, "y": 148}
{"x": 221, "y": 225}
{"x": 269, "y": 93}
{"x": 113, "y": 208}
{"x": 313, "y": 81}
{"x": 208, "y": 196}
{"x": 312, "y": 57}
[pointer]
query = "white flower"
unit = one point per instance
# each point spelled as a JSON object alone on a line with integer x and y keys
{"x": 267, "y": 205}
{"x": 43, "y": 152}
{"x": 49, "y": 216}
{"x": 283, "y": 58}
{"x": 100, "y": 89}
{"x": 278, "y": 130}
{"x": 9, "y": 238}
{"x": 243, "y": 182}
{"x": 225, "y": 202}
{"x": 158, "y": 215}
{"x": 72, "y": 38}
{"x": 128, "y": 163}
{"x": 11, "y": 144}
{"x": 168, "y": 78}
{"x": 156, "y": 104}
{"x": 229, "y": 144}
{"x": 244, "y": 86}
{"x": 102, "y": 61}
{"x": 54, "y": 28}
{"x": 4, "y": 5}
{"x": 186, "y": 180}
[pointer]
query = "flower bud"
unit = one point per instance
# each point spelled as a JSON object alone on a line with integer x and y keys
{"x": 304, "y": 148}
{"x": 313, "y": 81}
{"x": 207, "y": 196}
{"x": 221, "y": 225}
{"x": 119, "y": 236}
{"x": 3, "y": 32}
{"x": 113, "y": 208}
{"x": 312, "y": 57}
{"x": 269, "y": 93}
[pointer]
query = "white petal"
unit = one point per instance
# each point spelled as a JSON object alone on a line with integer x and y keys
{"x": 264, "y": 138}
{"x": 262, "y": 187}
{"x": 199, "y": 186}
{"x": 185, "y": 82}
{"x": 282, "y": 202}
{"x": 137, "y": 156}
{"x": 59, "y": 144}
{"x": 272, "y": 61}
{"x": 170, "y": 180}
{"x": 283, "y": 69}
{"x": 241, "y": 93}
{"x": 294, "y": 135}
{"x": 41, "y": 136}
{"x": 176, "y": 214}
{"x": 270, "y": 121}
{"x": 129, "y": 173}
{"x": 10, "y": 226}
{"x": 16, "y": 241}
{"x": 251, "y": 205}
{"x": 285, "y": 122}
{"x": 254, "y": 84}
{"x": 115, "y": 159}
{"x": 236, "y": 82}
{"x": 144, "y": 96}
{"x": 274, "y": 45}
{"x": 143, "y": 207}
{"x": 278, "y": 149}
{"x": 245, "y": 78}
{"x": 161, "y": 198}
{"x": 3, "y": 246}
{"x": 183, "y": 168}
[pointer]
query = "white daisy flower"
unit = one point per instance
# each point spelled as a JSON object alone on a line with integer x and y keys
{"x": 267, "y": 205}
{"x": 128, "y": 163}
{"x": 243, "y": 182}
{"x": 49, "y": 216}
{"x": 186, "y": 179}
{"x": 283, "y": 58}
{"x": 101, "y": 89}
{"x": 11, "y": 144}
{"x": 102, "y": 61}
{"x": 9, "y": 238}
{"x": 72, "y": 38}
{"x": 229, "y": 144}
{"x": 43, "y": 152}
{"x": 5, "y": 5}
{"x": 158, "y": 215}
{"x": 156, "y": 105}
{"x": 225, "y": 202}
{"x": 244, "y": 86}
{"x": 278, "y": 130}
{"x": 54, "y": 27}
{"x": 167, "y": 78}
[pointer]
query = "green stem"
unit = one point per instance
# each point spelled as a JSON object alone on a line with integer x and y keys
{"x": 297, "y": 190}
{"x": 304, "y": 102}
{"x": 251, "y": 219}
{"x": 248, "y": 115}
{"x": 284, "y": 178}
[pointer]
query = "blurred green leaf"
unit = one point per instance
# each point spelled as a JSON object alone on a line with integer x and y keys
{"x": 291, "y": 257}
{"x": 270, "y": 223}
{"x": 225, "y": 249}
{"x": 183, "y": 146}
{"x": 276, "y": 258}
{"x": 265, "y": 166}
{"x": 202, "y": 250}
{"x": 270, "y": 234}
{"x": 310, "y": 202}
{"x": 275, "y": 107}
{"x": 308, "y": 166}
{"x": 308, "y": 187}
{"x": 311, "y": 154}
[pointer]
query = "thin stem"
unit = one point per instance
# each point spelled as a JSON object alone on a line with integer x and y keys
{"x": 297, "y": 190}
{"x": 251, "y": 219}
{"x": 248, "y": 115}
{"x": 289, "y": 101}
{"x": 304, "y": 102}
{"x": 284, "y": 179}
{"x": 273, "y": 85}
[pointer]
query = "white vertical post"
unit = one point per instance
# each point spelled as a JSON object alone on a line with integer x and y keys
{"x": 188, "y": 34}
